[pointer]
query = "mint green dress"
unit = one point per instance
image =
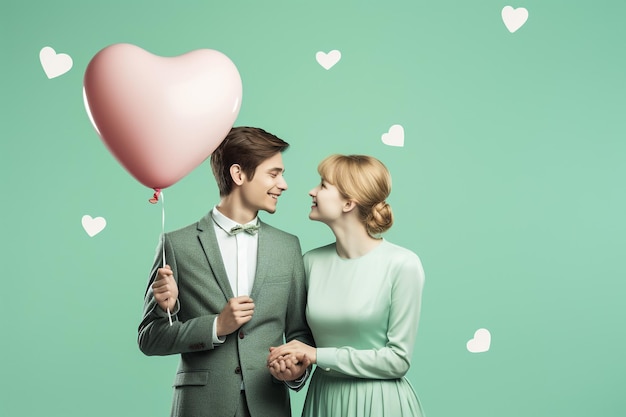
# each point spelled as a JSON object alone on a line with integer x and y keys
{"x": 364, "y": 314}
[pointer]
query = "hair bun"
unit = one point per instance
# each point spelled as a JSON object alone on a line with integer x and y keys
{"x": 380, "y": 219}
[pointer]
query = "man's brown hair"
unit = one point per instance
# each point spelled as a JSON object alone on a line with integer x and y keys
{"x": 246, "y": 146}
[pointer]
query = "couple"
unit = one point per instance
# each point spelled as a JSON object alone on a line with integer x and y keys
{"x": 237, "y": 289}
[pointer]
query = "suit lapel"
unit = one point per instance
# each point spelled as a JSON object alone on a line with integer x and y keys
{"x": 263, "y": 260}
{"x": 208, "y": 241}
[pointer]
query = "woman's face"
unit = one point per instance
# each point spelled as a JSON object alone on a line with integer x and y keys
{"x": 328, "y": 203}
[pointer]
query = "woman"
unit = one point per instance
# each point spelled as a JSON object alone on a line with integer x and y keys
{"x": 364, "y": 298}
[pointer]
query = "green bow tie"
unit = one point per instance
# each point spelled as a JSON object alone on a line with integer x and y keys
{"x": 248, "y": 228}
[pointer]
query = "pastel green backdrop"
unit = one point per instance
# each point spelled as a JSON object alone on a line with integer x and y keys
{"x": 510, "y": 187}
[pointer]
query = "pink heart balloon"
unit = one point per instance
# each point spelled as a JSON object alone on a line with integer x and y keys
{"x": 161, "y": 116}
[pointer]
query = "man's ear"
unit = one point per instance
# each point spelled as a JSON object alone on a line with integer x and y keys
{"x": 348, "y": 206}
{"x": 236, "y": 173}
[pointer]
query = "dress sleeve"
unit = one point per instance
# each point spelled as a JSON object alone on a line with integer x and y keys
{"x": 393, "y": 360}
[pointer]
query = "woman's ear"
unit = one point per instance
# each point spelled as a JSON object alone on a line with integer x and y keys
{"x": 348, "y": 206}
{"x": 237, "y": 174}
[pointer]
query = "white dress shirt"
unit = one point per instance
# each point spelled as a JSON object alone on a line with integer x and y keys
{"x": 239, "y": 255}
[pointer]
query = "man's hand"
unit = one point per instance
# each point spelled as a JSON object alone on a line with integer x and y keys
{"x": 165, "y": 289}
{"x": 237, "y": 312}
{"x": 295, "y": 350}
{"x": 288, "y": 369}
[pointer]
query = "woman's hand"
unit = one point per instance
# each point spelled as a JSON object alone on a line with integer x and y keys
{"x": 294, "y": 352}
{"x": 288, "y": 370}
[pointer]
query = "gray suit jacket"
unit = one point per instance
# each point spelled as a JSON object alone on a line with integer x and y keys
{"x": 209, "y": 377}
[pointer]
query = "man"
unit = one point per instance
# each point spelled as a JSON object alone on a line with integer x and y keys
{"x": 235, "y": 286}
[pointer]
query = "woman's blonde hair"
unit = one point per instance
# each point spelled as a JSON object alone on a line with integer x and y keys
{"x": 366, "y": 181}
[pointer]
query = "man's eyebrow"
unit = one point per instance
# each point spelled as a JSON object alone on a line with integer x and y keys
{"x": 276, "y": 169}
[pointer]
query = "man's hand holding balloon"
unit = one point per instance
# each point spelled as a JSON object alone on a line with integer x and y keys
{"x": 165, "y": 289}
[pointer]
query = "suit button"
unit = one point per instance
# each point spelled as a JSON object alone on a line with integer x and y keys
{"x": 241, "y": 335}
{"x": 238, "y": 370}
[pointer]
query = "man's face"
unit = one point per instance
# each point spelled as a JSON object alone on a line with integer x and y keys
{"x": 262, "y": 192}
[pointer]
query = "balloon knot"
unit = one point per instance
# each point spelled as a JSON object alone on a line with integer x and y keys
{"x": 155, "y": 196}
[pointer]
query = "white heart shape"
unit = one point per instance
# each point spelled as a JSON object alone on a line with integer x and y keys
{"x": 328, "y": 60}
{"x": 481, "y": 341}
{"x": 93, "y": 226}
{"x": 54, "y": 64}
{"x": 514, "y": 18}
{"x": 395, "y": 136}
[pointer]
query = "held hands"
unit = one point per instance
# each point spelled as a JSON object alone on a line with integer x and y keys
{"x": 165, "y": 289}
{"x": 237, "y": 312}
{"x": 289, "y": 361}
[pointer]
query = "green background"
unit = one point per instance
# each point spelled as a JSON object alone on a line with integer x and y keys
{"x": 510, "y": 187}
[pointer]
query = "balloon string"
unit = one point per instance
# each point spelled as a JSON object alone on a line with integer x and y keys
{"x": 156, "y": 196}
